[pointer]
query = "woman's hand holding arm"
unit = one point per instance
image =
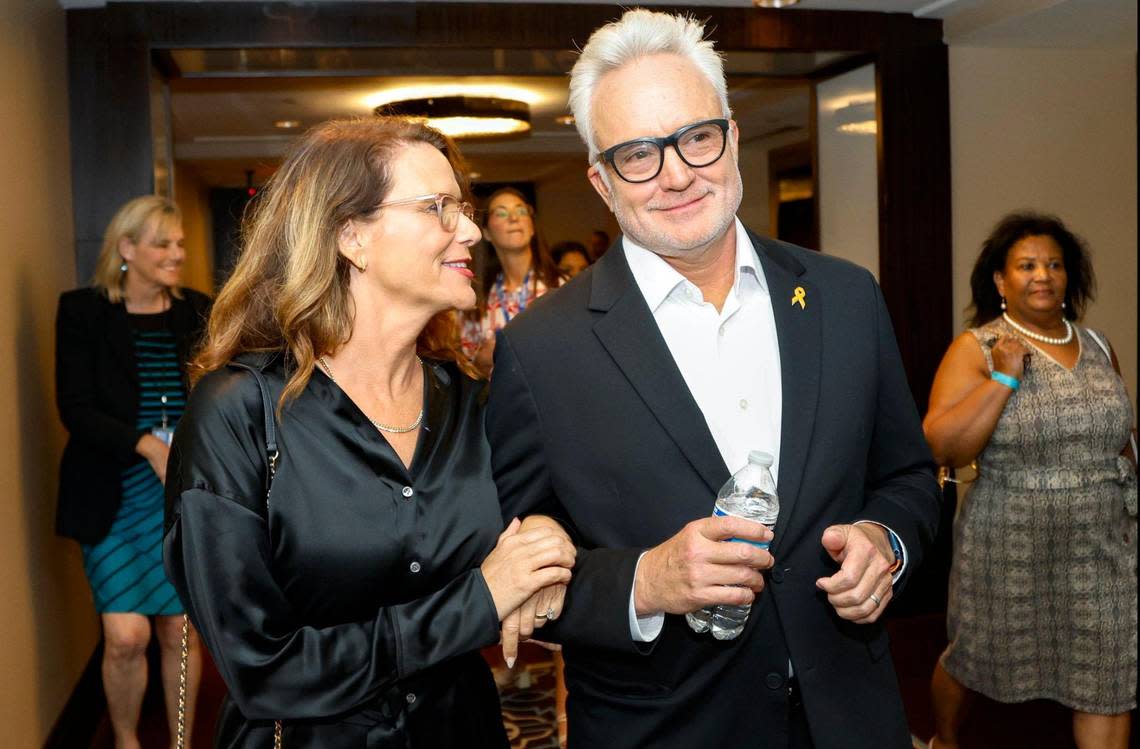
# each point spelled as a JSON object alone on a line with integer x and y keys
{"x": 520, "y": 624}
{"x": 965, "y": 403}
{"x": 525, "y": 561}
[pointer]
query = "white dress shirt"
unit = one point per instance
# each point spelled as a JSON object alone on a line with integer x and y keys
{"x": 730, "y": 361}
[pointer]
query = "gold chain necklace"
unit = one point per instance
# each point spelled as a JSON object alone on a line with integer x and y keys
{"x": 382, "y": 427}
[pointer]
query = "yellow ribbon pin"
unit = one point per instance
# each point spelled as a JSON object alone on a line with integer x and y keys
{"x": 798, "y": 297}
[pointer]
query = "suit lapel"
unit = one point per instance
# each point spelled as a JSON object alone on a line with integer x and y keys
{"x": 630, "y": 335}
{"x": 799, "y": 333}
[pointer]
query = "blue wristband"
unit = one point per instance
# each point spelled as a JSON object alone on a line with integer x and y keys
{"x": 1010, "y": 382}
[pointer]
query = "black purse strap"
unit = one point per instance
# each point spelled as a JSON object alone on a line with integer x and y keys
{"x": 271, "y": 451}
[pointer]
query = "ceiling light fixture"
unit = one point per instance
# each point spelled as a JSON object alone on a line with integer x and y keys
{"x": 464, "y": 116}
{"x": 565, "y": 119}
{"x": 774, "y": 3}
{"x": 287, "y": 124}
{"x": 857, "y": 117}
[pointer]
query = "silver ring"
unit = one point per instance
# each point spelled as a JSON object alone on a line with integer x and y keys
{"x": 550, "y": 613}
{"x": 876, "y": 599}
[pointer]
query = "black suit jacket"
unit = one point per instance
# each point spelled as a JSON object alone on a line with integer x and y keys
{"x": 97, "y": 391}
{"x": 591, "y": 421}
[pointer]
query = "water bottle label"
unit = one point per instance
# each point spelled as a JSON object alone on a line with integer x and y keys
{"x": 719, "y": 513}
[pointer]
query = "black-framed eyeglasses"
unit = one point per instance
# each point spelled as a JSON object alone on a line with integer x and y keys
{"x": 447, "y": 208}
{"x": 699, "y": 144}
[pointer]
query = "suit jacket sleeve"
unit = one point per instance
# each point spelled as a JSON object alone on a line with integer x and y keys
{"x": 219, "y": 556}
{"x": 75, "y": 351}
{"x": 902, "y": 492}
{"x": 596, "y": 609}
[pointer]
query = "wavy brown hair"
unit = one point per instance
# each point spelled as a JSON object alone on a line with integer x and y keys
{"x": 289, "y": 291}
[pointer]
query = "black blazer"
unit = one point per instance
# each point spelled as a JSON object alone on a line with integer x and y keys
{"x": 590, "y": 420}
{"x": 349, "y": 604}
{"x": 97, "y": 391}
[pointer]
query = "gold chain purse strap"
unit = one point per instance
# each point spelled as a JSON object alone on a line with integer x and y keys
{"x": 272, "y": 453}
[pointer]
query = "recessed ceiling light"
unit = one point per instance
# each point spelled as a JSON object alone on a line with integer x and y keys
{"x": 774, "y": 3}
{"x": 287, "y": 124}
{"x": 464, "y": 116}
{"x": 566, "y": 119}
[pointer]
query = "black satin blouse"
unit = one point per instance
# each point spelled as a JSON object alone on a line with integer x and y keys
{"x": 352, "y": 608}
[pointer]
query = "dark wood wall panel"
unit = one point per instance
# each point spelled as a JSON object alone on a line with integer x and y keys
{"x": 110, "y": 54}
{"x": 915, "y": 268}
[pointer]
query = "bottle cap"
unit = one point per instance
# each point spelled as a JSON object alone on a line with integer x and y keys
{"x": 761, "y": 458}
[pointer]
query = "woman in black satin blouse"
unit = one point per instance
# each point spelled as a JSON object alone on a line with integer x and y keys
{"x": 352, "y": 604}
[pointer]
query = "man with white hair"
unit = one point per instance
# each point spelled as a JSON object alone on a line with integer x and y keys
{"x": 621, "y": 403}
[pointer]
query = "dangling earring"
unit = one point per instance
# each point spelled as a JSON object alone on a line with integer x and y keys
{"x": 361, "y": 262}
{"x": 1063, "y": 304}
{"x": 1003, "y": 304}
{"x": 123, "y": 267}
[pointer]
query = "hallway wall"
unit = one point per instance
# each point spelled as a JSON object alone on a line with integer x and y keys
{"x": 1053, "y": 130}
{"x": 48, "y": 629}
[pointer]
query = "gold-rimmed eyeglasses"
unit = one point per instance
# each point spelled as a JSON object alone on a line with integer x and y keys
{"x": 447, "y": 208}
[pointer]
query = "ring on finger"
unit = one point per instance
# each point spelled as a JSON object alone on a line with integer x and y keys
{"x": 542, "y": 616}
{"x": 876, "y": 599}
{"x": 550, "y": 614}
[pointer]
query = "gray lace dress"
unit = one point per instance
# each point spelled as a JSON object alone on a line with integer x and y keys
{"x": 1043, "y": 584}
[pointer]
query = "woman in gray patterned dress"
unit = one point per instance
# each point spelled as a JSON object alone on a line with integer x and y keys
{"x": 1043, "y": 585}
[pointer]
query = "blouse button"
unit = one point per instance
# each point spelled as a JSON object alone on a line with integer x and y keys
{"x": 407, "y": 491}
{"x": 414, "y": 567}
{"x": 410, "y": 697}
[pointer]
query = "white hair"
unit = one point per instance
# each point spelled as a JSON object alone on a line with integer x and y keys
{"x": 638, "y": 34}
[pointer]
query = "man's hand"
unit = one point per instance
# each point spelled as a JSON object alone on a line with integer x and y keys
{"x": 864, "y": 555}
{"x": 695, "y": 568}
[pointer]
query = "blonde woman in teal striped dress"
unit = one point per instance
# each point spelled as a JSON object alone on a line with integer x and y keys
{"x": 121, "y": 348}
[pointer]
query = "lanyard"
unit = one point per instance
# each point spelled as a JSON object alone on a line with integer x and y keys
{"x": 501, "y": 295}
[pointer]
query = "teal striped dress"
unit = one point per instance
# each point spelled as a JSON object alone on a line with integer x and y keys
{"x": 125, "y": 568}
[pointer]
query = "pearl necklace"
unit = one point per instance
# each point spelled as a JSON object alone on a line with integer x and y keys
{"x": 382, "y": 427}
{"x": 1059, "y": 341}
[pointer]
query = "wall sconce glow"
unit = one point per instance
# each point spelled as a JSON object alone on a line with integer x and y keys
{"x": 565, "y": 119}
{"x": 857, "y": 117}
{"x": 287, "y": 124}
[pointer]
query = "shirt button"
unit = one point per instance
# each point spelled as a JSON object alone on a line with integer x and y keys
{"x": 407, "y": 491}
{"x": 414, "y": 567}
{"x": 410, "y": 697}
{"x": 773, "y": 680}
{"x": 743, "y": 404}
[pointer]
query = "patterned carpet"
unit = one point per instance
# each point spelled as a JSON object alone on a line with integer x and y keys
{"x": 528, "y": 708}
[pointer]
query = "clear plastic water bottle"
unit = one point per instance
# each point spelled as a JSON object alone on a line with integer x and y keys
{"x": 749, "y": 494}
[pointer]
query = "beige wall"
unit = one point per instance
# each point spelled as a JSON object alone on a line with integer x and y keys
{"x": 1052, "y": 130}
{"x": 193, "y": 198}
{"x": 48, "y": 628}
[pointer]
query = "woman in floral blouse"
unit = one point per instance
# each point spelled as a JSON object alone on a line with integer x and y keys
{"x": 517, "y": 272}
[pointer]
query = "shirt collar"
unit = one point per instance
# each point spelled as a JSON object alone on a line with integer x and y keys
{"x": 657, "y": 279}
